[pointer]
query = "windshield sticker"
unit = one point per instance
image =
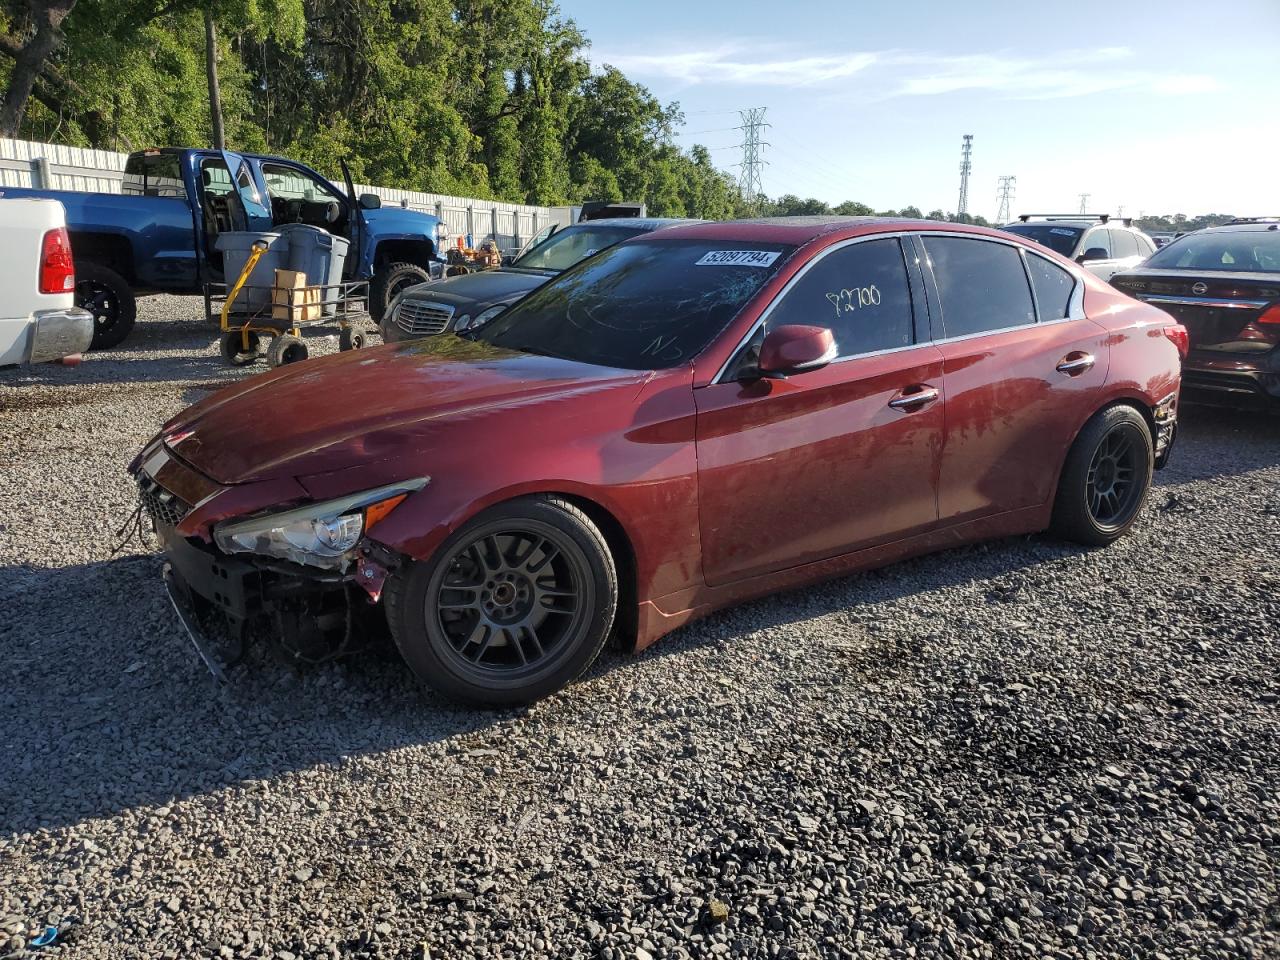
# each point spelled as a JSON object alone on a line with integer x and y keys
{"x": 1062, "y": 232}
{"x": 737, "y": 258}
{"x": 849, "y": 300}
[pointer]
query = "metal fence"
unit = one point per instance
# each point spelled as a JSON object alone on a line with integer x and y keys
{"x": 53, "y": 166}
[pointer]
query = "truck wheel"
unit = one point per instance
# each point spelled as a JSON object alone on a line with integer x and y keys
{"x": 390, "y": 279}
{"x": 108, "y": 296}
{"x": 286, "y": 348}
{"x": 232, "y": 348}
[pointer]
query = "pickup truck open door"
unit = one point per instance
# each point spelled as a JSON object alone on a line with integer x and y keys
{"x": 357, "y": 222}
{"x": 256, "y": 212}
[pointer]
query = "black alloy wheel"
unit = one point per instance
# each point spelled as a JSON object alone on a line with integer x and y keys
{"x": 108, "y": 296}
{"x": 514, "y": 606}
{"x": 1113, "y": 479}
{"x": 1106, "y": 477}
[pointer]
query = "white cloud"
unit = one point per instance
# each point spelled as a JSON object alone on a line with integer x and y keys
{"x": 897, "y": 73}
{"x": 736, "y": 64}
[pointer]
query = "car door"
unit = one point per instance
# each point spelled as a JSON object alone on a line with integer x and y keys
{"x": 830, "y": 460}
{"x": 1095, "y": 253}
{"x": 256, "y": 211}
{"x": 1021, "y": 367}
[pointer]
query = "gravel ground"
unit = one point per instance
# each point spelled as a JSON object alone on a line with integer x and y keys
{"x": 1016, "y": 749}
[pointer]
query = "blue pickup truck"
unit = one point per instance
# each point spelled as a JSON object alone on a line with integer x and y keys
{"x": 159, "y": 234}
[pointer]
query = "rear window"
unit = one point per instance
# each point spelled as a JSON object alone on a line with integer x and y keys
{"x": 982, "y": 285}
{"x": 1061, "y": 240}
{"x": 153, "y": 175}
{"x": 640, "y": 306}
{"x": 1248, "y": 251}
{"x": 570, "y": 245}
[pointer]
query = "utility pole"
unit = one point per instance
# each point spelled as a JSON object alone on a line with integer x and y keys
{"x": 750, "y": 181}
{"x": 1005, "y": 195}
{"x": 1084, "y": 202}
{"x": 965, "y": 167}
{"x": 1120, "y": 211}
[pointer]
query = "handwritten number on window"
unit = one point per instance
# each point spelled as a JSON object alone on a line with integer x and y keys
{"x": 851, "y": 299}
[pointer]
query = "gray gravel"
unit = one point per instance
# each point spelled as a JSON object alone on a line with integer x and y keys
{"x": 1017, "y": 749}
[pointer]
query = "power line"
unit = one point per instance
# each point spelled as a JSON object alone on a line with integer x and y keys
{"x": 1005, "y": 194}
{"x": 750, "y": 182}
{"x": 965, "y": 167}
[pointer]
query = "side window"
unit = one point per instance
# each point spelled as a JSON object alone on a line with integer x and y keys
{"x": 1097, "y": 240}
{"x": 1146, "y": 246}
{"x": 860, "y": 292}
{"x": 981, "y": 284}
{"x": 1053, "y": 287}
{"x": 1123, "y": 244}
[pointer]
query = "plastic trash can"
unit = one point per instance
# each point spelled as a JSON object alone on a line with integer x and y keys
{"x": 318, "y": 254}
{"x": 235, "y": 247}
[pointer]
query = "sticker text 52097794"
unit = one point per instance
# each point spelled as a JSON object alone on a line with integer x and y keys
{"x": 737, "y": 258}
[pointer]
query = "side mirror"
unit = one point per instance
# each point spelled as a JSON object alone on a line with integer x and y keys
{"x": 795, "y": 348}
{"x": 370, "y": 201}
{"x": 1093, "y": 253}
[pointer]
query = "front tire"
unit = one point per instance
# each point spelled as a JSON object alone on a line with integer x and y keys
{"x": 1106, "y": 478}
{"x": 108, "y": 296}
{"x": 388, "y": 281}
{"x": 511, "y": 608}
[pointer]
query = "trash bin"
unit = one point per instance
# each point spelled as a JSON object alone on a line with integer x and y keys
{"x": 235, "y": 246}
{"x": 318, "y": 254}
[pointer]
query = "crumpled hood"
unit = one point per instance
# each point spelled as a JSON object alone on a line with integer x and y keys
{"x": 474, "y": 292}
{"x": 363, "y": 406}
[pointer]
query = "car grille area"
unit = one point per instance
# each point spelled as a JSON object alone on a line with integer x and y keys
{"x": 423, "y": 318}
{"x": 161, "y": 505}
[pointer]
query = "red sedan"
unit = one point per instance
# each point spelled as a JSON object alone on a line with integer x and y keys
{"x": 687, "y": 420}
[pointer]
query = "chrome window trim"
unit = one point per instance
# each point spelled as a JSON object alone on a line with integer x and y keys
{"x": 1074, "y": 312}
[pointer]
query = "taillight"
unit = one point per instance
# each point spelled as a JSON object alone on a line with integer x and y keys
{"x": 1181, "y": 339}
{"x": 57, "y": 271}
{"x": 1271, "y": 315}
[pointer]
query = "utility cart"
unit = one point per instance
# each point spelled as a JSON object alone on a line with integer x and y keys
{"x": 246, "y": 313}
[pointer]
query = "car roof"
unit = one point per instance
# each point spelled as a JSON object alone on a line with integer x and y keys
{"x": 801, "y": 230}
{"x": 641, "y": 224}
{"x": 1253, "y": 226}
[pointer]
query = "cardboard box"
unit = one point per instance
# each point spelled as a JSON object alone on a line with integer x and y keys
{"x": 292, "y": 300}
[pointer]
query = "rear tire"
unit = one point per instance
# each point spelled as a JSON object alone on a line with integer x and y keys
{"x": 511, "y": 608}
{"x": 285, "y": 349}
{"x": 108, "y": 296}
{"x": 388, "y": 281}
{"x": 1106, "y": 478}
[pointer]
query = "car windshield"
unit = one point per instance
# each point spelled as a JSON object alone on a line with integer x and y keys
{"x": 641, "y": 306}
{"x": 1058, "y": 239}
{"x": 1249, "y": 251}
{"x": 563, "y": 249}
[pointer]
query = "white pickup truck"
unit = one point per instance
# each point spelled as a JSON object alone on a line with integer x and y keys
{"x": 38, "y": 317}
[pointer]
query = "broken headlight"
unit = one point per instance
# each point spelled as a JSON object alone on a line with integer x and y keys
{"x": 316, "y": 534}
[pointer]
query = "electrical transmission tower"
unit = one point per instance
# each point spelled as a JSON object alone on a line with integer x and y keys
{"x": 750, "y": 181}
{"x": 1005, "y": 193}
{"x": 1084, "y": 202}
{"x": 965, "y": 167}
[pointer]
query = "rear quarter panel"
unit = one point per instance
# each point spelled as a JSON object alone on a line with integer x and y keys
{"x": 23, "y": 224}
{"x": 1145, "y": 366}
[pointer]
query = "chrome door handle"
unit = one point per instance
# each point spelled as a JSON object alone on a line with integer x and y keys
{"x": 1078, "y": 365}
{"x": 909, "y": 401}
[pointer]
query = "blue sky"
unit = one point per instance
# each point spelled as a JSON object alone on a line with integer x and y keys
{"x": 1160, "y": 107}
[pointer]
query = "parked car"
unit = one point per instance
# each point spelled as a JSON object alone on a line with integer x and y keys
{"x": 457, "y": 303}
{"x": 1223, "y": 284}
{"x": 691, "y": 418}
{"x": 39, "y": 320}
{"x": 1102, "y": 245}
{"x": 159, "y": 234}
